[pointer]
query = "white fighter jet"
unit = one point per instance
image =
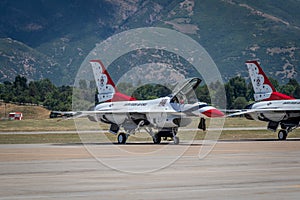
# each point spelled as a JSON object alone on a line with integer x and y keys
{"x": 271, "y": 106}
{"x": 165, "y": 115}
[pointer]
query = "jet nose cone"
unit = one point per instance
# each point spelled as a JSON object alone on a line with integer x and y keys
{"x": 214, "y": 113}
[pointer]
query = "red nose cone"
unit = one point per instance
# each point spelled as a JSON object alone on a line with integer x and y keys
{"x": 214, "y": 113}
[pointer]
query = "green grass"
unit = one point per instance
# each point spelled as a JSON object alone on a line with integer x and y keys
{"x": 57, "y": 124}
{"x": 37, "y": 125}
{"x": 243, "y": 122}
{"x": 67, "y": 138}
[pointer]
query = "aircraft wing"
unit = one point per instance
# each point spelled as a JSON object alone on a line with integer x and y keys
{"x": 248, "y": 111}
{"x": 241, "y": 112}
{"x": 79, "y": 114}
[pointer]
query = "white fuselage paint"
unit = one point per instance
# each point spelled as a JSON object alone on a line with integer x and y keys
{"x": 159, "y": 112}
{"x": 281, "y": 110}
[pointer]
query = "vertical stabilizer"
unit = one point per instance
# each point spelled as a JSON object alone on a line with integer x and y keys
{"x": 107, "y": 90}
{"x": 105, "y": 86}
{"x": 263, "y": 89}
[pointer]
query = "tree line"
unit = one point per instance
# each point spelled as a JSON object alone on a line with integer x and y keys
{"x": 41, "y": 92}
{"x": 238, "y": 92}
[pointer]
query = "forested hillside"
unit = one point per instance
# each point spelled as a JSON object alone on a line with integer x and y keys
{"x": 50, "y": 39}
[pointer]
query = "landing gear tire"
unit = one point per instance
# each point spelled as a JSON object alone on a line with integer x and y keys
{"x": 122, "y": 137}
{"x": 176, "y": 140}
{"x": 156, "y": 139}
{"x": 282, "y": 134}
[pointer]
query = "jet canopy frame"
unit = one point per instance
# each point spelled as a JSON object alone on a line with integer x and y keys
{"x": 184, "y": 89}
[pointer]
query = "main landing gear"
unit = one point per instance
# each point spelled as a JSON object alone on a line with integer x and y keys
{"x": 165, "y": 133}
{"x": 122, "y": 137}
{"x": 285, "y": 128}
{"x": 156, "y": 139}
{"x": 130, "y": 130}
{"x": 282, "y": 134}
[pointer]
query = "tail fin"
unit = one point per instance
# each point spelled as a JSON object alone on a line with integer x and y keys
{"x": 107, "y": 90}
{"x": 263, "y": 89}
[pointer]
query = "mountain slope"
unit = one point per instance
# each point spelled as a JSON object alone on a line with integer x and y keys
{"x": 18, "y": 58}
{"x": 57, "y": 35}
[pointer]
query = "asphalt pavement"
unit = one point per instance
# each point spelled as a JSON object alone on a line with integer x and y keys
{"x": 253, "y": 169}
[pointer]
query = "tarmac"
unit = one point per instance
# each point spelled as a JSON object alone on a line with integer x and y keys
{"x": 250, "y": 169}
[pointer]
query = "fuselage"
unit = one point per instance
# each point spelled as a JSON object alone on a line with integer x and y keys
{"x": 276, "y": 111}
{"x": 159, "y": 113}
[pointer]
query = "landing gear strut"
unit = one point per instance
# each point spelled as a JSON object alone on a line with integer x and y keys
{"x": 156, "y": 139}
{"x": 176, "y": 140}
{"x": 164, "y": 133}
{"x": 130, "y": 130}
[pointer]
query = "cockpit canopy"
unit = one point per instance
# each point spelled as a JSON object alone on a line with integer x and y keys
{"x": 184, "y": 89}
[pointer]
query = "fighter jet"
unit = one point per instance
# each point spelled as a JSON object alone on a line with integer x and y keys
{"x": 271, "y": 106}
{"x": 160, "y": 117}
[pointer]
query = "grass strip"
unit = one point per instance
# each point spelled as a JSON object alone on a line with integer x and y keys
{"x": 67, "y": 138}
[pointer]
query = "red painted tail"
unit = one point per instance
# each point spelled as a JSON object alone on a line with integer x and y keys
{"x": 263, "y": 89}
{"x": 107, "y": 90}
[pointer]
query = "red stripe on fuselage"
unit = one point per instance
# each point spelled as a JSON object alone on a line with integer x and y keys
{"x": 278, "y": 96}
